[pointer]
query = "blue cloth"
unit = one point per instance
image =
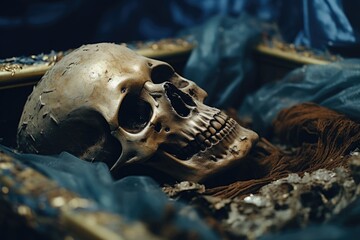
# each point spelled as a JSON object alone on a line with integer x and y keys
{"x": 336, "y": 86}
{"x": 325, "y": 23}
{"x": 221, "y": 62}
{"x": 134, "y": 198}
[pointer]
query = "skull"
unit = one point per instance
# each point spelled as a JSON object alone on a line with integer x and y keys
{"x": 103, "y": 102}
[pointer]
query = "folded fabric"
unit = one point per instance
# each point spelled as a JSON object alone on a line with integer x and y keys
{"x": 134, "y": 198}
{"x": 335, "y": 86}
{"x": 221, "y": 62}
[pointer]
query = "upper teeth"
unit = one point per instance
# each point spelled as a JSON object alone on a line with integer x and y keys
{"x": 220, "y": 127}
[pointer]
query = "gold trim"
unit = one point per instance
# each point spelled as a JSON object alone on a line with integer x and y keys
{"x": 38, "y": 70}
{"x": 102, "y": 225}
{"x": 16, "y": 85}
{"x": 15, "y": 75}
{"x": 87, "y": 227}
{"x": 164, "y": 48}
{"x": 293, "y": 57}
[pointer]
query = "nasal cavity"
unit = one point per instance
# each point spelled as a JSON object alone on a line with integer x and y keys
{"x": 180, "y": 101}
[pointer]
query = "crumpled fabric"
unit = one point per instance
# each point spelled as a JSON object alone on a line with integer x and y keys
{"x": 335, "y": 85}
{"x": 325, "y": 23}
{"x": 134, "y": 198}
{"x": 220, "y": 63}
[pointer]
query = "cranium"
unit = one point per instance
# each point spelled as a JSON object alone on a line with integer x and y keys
{"x": 103, "y": 102}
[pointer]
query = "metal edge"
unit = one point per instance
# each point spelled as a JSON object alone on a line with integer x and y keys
{"x": 20, "y": 74}
{"x": 26, "y": 72}
{"x": 289, "y": 55}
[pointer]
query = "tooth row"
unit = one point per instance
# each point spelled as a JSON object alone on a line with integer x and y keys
{"x": 220, "y": 127}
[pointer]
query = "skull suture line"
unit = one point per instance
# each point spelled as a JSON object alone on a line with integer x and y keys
{"x": 103, "y": 102}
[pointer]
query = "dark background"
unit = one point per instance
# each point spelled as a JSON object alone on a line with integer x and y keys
{"x": 36, "y": 26}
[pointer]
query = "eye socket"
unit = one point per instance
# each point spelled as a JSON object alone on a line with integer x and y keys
{"x": 134, "y": 114}
{"x": 162, "y": 73}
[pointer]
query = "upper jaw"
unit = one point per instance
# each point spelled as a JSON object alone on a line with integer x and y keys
{"x": 223, "y": 138}
{"x": 218, "y": 128}
{"x": 220, "y": 143}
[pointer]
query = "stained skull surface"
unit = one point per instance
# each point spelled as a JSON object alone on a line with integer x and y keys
{"x": 103, "y": 102}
